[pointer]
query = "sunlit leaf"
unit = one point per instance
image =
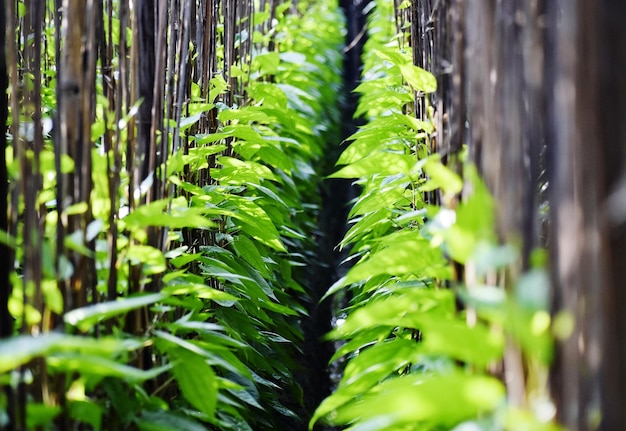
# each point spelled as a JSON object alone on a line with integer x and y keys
{"x": 21, "y": 349}
{"x": 412, "y": 256}
{"x": 445, "y": 399}
{"x": 380, "y": 163}
{"x": 101, "y": 366}
{"x": 441, "y": 177}
{"x": 393, "y": 310}
{"x": 175, "y": 215}
{"x": 235, "y": 171}
{"x": 151, "y": 258}
{"x": 85, "y": 318}
{"x": 418, "y": 78}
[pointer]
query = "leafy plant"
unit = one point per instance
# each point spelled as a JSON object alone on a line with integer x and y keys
{"x": 177, "y": 296}
{"x": 415, "y": 359}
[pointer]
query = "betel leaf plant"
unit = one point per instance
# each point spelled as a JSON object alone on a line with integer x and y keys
{"x": 422, "y": 344}
{"x": 194, "y": 316}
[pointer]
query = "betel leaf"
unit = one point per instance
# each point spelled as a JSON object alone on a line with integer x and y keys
{"x": 474, "y": 221}
{"x": 187, "y": 122}
{"x": 254, "y": 221}
{"x": 197, "y": 107}
{"x": 245, "y": 114}
{"x": 245, "y": 248}
{"x": 175, "y": 215}
{"x": 441, "y": 177}
{"x": 365, "y": 224}
{"x": 414, "y": 123}
{"x": 393, "y": 56}
{"x": 390, "y": 311}
{"x": 184, "y": 259}
{"x": 198, "y": 290}
{"x": 265, "y": 63}
{"x": 86, "y": 411}
{"x": 375, "y": 363}
{"x": 382, "y": 193}
{"x": 330, "y": 405}
{"x": 444, "y": 399}
{"x": 196, "y": 380}
{"x": 101, "y": 366}
{"x": 275, "y": 156}
{"x": 477, "y": 345}
{"x": 235, "y": 171}
{"x": 379, "y": 163}
{"x": 271, "y": 95}
{"x": 163, "y": 420}
{"x": 39, "y": 415}
{"x": 21, "y": 349}
{"x": 418, "y": 78}
{"x": 412, "y": 256}
{"x": 168, "y": 342}
{"x": 218, "y": 86}
{"x": 151, "y": 259}
{"x": 85, "y": 318}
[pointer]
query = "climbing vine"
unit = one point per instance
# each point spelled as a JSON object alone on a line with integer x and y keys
{"x": 425, "y": 329}
{"x": 169, "y": 217}
{"x": 173, "y": 233}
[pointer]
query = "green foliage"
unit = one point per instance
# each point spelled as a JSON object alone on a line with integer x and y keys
{"x": 200, "y": 328}
{"x": 210, "y": 338}
{"x": 414, "y": 359}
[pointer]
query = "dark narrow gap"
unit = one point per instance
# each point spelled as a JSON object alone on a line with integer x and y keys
{"x": 336, "y": 195}
{"x": 6, "y": 321}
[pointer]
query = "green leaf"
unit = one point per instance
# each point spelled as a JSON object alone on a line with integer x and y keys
{"x": 175, "y": 215}
{"x": 151, "y": 258}
{"x": 218, "y": 86}
{"x": 271, "y": 96}
{"x": 187, "y": 122}
{"x": 373, "y": 364}
{"x": 40, "y": 416}
{"x": 245, "y": 248}
{"x": 380, "y": 163}
{"x": 410, "y": 256}
{"x": 245, "y": 114}
{"x": 86, "y": 411}
{"x": 184, "y": 259}
{"x": 444, "y": 399}
{"x": 254, "y": 221}
{"x": 474, "y": 222}
{"x": 163, "y": 420}
{"x": 393, "y": 310}
{"x": 101, "y": 366}
{"x": 441, "y": 177}
{"x": 196, "y": 380}
{"x": 85, "y": 318}
{"x": 21, "y": 349}
{"x": 235, "y": 171}
{"x": 199, "y": 290}
{"x": 393, "y": 56}
{"x": 415, "y": 124}
{"x": 265, "y": 64}
{"x": 418, "y": 78}
{"x": 477, "y": 345}
{"x": 382, "y": 193}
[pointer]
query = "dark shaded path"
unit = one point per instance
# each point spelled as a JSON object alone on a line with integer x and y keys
{"x": 336, "y": 195}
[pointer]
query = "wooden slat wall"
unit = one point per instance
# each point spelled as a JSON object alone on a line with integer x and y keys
{"x": 535, "y": 89}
